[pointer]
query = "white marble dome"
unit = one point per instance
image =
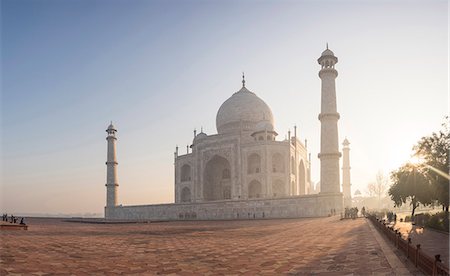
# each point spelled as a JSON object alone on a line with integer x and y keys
{"x": 242, "y": 110}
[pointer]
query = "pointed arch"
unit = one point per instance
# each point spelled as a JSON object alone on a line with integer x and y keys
{"x": 185, "y": 195}
{"x": 254, "y": 163}
{"x": 278, "y": 189}
{"x": 277, "y": 163}
{"x": 215, "y": 184}
{"x": 186, "y": 173}
{"x": 254, "y": 189}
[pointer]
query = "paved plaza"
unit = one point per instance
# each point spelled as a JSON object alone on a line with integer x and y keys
{"x": 272, "y": 247}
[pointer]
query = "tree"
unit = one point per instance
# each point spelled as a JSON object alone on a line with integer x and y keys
{"x": 434, "y": 151}
{"x": 379, "y": 187}
{"x": 410, "y": 183}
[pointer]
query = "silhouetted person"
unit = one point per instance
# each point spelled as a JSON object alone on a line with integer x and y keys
{"x": 22, "y": 222}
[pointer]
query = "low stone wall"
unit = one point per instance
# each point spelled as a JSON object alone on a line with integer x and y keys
{"x": 316, "y": 205}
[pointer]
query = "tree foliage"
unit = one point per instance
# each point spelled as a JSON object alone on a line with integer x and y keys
{"x": 410, "y": 184}
{"x": 434, "y": 150}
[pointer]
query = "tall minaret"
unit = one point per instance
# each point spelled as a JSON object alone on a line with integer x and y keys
{"x": 329, "y": 146}
{"x": 346, "y": 189}
{"x": 111, "y": 169}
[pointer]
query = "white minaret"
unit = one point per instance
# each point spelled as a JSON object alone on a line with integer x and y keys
{"x": 346, "y": 185}
{"x": 329, "y": 146}
{"x": 111, "y": 169}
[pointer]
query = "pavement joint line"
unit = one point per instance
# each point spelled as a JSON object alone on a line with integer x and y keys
{"x": 395, "y": 263}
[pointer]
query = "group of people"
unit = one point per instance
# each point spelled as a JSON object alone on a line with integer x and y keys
{"x": 391, "y": 216}
{"x": 351, "y": 212}
{"x": 12, "y": 219}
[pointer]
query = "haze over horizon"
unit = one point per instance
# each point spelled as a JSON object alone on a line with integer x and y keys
{"x": 159, "y": 69}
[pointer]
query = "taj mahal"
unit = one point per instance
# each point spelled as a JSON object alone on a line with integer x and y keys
{"x": 244, "y": 171}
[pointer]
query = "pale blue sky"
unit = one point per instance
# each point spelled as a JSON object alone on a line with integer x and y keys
{"x": 159, "y": 69}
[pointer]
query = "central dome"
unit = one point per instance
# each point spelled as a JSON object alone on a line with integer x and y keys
{"x": 243, "y": 110}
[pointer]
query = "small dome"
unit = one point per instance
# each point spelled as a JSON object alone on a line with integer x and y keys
{"x": 327, "y": 52}
{"x": 111, "y": 127}
{"x": 243, "y": 110}
{"x": 200, "y": 136}
{"x": 346, "y": 142}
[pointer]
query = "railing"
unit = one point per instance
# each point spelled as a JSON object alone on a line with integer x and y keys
{"x": 429, "y": 265}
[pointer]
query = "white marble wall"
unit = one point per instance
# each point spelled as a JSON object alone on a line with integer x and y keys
{"x": 290, "y": 207}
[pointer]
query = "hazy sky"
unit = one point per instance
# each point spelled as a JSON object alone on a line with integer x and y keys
{"x": 159, "y": 69}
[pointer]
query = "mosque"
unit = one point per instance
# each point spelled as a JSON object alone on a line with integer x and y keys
{"x": 243, "y": 171}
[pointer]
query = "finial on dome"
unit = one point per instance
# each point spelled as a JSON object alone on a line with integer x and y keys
{"x": 243, "y": 79}
{"x": 201, "y": 129}
{"x": 327, "y": 45}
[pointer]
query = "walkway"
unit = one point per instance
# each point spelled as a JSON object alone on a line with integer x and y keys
{"x": 271, "y": 247}
{"x": 432, "y": 242}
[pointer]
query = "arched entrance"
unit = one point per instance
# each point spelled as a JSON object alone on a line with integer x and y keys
{"x": 185, "y": 173}
{"x": 254, "y": 189}
{"x": 277, "y": 163}
{"x": 278, "y": 188}
{"x": 217, "y": 180}
{"x": 185, "y": 195}
{"x": 254, "y": 163}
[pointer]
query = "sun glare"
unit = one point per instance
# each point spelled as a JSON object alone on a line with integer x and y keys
{"x": 416, "y": 160}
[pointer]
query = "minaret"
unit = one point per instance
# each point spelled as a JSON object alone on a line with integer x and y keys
{"x": 329, "y": 146}
{"x": 346, "y": 189}
{"x": 111, "y": 169}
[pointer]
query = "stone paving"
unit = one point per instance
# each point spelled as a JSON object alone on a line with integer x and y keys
{"x": 432, "y": 242}
{"x": 271, "y": 247}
